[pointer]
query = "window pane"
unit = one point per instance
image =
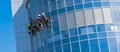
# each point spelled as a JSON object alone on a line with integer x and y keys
{"x": 89, "y": 17}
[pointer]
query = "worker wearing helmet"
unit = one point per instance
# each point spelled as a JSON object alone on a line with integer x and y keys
{"x": 45, "y": 19}
{"x": 39, "y": 21}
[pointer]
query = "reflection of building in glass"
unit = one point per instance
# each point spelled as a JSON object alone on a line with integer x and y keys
{"x": 79, "y": 26}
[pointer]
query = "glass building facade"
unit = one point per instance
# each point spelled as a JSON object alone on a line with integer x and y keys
{"x": 79, "y": 26}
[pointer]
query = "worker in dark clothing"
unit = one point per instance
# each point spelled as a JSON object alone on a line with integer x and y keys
{"x": 39, "y": 22}
{"x": 45, "y": 19}
{"x": 30, "y": 28}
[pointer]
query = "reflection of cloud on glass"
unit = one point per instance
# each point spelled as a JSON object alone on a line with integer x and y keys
{"x": 114, "y": 28}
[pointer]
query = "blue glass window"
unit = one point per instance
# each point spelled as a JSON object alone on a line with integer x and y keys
{"x": 64, "y": 34}
{"x": 117, "y": 34}
{"x": 91, "y": 29}
{"x": 94, "y": 45}
{"x": 115, "y": 14}
{"x": 50, "y": 45}
{"x": 113, "y": 45}
{"x": 60, "y": 3}
{"x": 73, "y": 31}
{"x": 58, "y": 49}
{"x": 110, "y": 34}
{"x": 57, "y": 43}
{"x": 104, "y": 45}
{"x": 84, "y": 46}
{"x": 77, "y": 1}
{"x": 73, "y": 39}
{"x": 51, "y": 50}
{"x": 97, "y": 4}
{"x": 109, "y": 27}
{"x": 82, "y": 30}
{"x": 71, "y": 8}
{"x": 66, "y": 48}
{"x": 55, "y": 24}
{"x": 61, "y": 10}
{"x": 53, "y": 13}
{"x": 83, "y": 37}
{"x": 92, "y": 35}
{"x": 100, "y": 27}
{"x": 105, "y": 4}
{"x": 87, "y": 1}
{"x": 53, "y": 5}
{"x": 75, "y": 47}
{"x": 80, "y": 6}
{"x": 114, "y": 4}
{"x": 56, "y": 36}
{"x": 88, "y": 5}
{"x": 105, "y": 0}
{"x": 96, "y": 0}
{"x": 69, "y": 2}
{"x": 103, "y": 34}
{"x": 64, "y": 41}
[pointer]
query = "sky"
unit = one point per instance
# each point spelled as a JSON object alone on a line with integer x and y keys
{"x": 7, "y": 37}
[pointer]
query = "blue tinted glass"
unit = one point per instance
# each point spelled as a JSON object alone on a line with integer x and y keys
{"x": 73, "y": 31}
{"x": 96, "y": 0}
{"x": 66, "y": 48}
{"x": 73, "y": 39}
{"x": 105, "y": 0}
{"x": 80, "y": 6}
{"x": 91, "y": 29}
{"x": 75, "y": 47}
{"x": 100, "y": 28}
{"x": 117, "y": 27}
{"x": 92, "y": 35}
{"x": 109, "y": 27}
{"x": 94, "y": 46}
{"x": 112, "y": 45}
{"x": 64, "y": 34}
{"x": 56, "y": 36}
{"x": 104, "y": 45}
{"x": 71, "y": 8}
{"x": 117, "y": 34}
{"x": 110, "y": 34}
{"x": 118, "y": 43}
{"x": 84, "y": 46}
{"x": 45, "y": 4}
{"x": 115, "y": 14}
{"x": 83, "y": 37}
{"x": 82, "y": 30}
{"x": 87, "y": 1}
{"x": 114, "y": 3}
{"x": 61, "y": 10}
{"x": 50, "y": 45}
{"x": 60, "y": 3}
{"x": 88, "y": 5}
{"x": 77, "y": 1}
{"x": 58, "y": 49}
{"x": 105, "y": 4}
{"x": 64, "y": 41}
{"x": 57, "y": 42}
{"x": 69, "y": 2}
{"x": 53, "y": 13}
{"x": 97, "y": 4}
{"x": 103, "y": 34}
{"x": 55, "y": 24}
{"x": 51, "y": 50}
{"x": 53, "y": 5}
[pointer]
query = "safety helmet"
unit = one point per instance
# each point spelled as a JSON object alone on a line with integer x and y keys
{"x": 43, "y": 13}
{"x": 39, "y": 15}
